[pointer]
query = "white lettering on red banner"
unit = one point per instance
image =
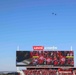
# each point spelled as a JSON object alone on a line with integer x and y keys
{"x": 38, "y": 47}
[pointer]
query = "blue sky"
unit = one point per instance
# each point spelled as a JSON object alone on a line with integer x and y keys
{"x": 30, "y": 22}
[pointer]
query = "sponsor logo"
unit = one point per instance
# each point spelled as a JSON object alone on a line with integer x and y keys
{"x": 44, "y": 48}
{"x": 38, "y": 47}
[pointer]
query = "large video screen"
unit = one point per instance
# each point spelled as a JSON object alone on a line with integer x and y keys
{"x": 52, "y": 58}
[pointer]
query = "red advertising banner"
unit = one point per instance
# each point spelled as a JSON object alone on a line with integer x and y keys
{"x": 38, "y": 47}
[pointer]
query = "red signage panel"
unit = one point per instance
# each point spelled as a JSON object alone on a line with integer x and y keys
{"x": 38, "y": 47}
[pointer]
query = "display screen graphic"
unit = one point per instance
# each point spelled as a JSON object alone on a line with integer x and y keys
{"x": 53, "y": 58}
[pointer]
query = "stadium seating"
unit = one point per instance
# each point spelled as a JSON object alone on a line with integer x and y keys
{"x": 46, "y": 72}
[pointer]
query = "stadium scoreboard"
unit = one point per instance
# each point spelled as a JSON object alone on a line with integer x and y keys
{"x": 45, "y": 58}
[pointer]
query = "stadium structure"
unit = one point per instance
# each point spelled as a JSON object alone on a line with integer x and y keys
{"x": 45, "y": 61}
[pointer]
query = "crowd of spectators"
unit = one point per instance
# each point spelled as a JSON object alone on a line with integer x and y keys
{"x": 40, "y": 72}
{"x": 52, "y": 58}
{"x": 48, "y": 71}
